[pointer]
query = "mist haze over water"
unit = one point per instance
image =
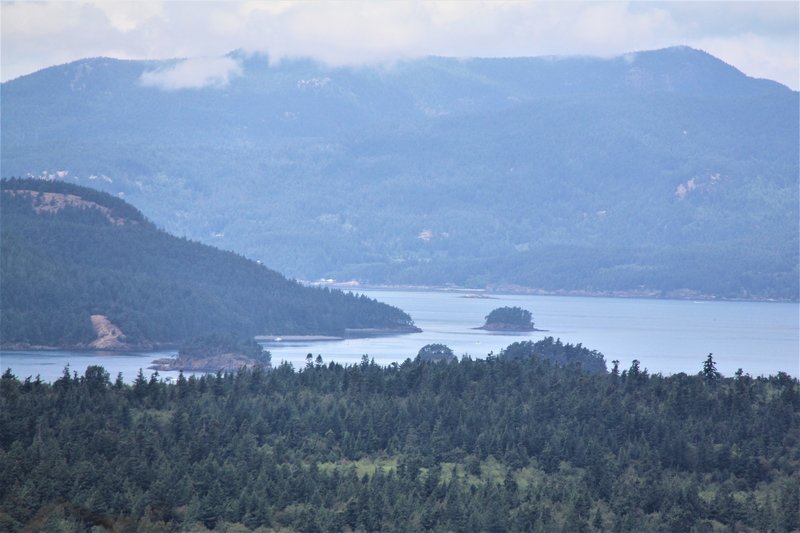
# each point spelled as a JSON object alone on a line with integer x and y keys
{"x": 666, "y": 336}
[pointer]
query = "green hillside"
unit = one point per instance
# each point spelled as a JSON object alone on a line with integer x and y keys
{"x": 664, "y": 172}
{"x": 70, "y": 252}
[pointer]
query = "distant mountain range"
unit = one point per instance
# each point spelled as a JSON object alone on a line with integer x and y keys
{"x": 80, "y": 268}
{"x": 664, "y": 172}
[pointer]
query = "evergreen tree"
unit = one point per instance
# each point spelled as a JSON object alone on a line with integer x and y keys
{"x": 709, "y": 373}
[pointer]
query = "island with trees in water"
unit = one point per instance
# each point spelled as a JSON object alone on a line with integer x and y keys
{"x": 509, "y": 319}
{"x": 214, "y": 353}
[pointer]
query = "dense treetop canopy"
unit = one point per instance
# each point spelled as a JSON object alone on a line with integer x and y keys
{"x": 500, "y": 444}
{"x": 557, "y": 352}
{"x": 514, "y": 318}
{"x": 435, "y": 353}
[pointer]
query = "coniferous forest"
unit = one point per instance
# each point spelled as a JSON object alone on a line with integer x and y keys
{"x": 506, "y": 443}
{"x": 71, "y": 252}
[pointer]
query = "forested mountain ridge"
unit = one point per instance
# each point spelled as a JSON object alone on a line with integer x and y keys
{"x": 81, "y": 268}
{"x": 665, "y": 172}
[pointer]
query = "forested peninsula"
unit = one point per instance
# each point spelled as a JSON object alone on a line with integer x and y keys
{"x": 83, "y": 269}
{"x": 512, "y": 442}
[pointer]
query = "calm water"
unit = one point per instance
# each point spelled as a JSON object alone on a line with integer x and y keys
{"x": 667, "y": 336}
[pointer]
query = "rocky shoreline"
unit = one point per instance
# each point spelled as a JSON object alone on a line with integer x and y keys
{"x": 508, "y": 328}
{"x": 290, "y": 338}
{"x": 88, "y": 348}
{"x": 123, "y": 347}
{"x": 352, "y": 333}
{"x": 359, "y": 333}
{"x": 655, "y": 294}
{"x": 228, "y": 362}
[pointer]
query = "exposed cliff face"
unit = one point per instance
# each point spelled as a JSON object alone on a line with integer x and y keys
{"x": 53, "y": 202}
{"x": 109, "y": 336}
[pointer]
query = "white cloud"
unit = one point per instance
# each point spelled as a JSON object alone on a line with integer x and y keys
{"x": 127, "y": 16}
{"x": 194, "y": 73}
{"x": 32, "y": 20}
{"x": 756, "y": 56}
{"x": 760, "y": 38}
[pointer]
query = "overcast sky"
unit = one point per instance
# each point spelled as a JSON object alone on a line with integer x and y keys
{"x": 759, "y": 38}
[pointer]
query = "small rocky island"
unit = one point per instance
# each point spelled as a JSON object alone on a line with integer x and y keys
{"x": 214, "y": 353}
{"x": 509, "y": 319}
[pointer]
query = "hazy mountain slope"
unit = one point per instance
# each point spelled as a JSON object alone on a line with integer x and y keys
{"x": 663, "y": 170}
{"x": 72, "y": 254}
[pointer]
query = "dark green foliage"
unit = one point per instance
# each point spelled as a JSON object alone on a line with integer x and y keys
{"x": 710, "y": 373}
{"x": 665, "y": 172}
{"x": 218, "y": 344}
{"x": 511, "y": 317}
{"x": 57, "y": 269}
{"x": 505, "y": 444}
{"x": 435, "y": 353}
{"x": 557, "y": 353}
